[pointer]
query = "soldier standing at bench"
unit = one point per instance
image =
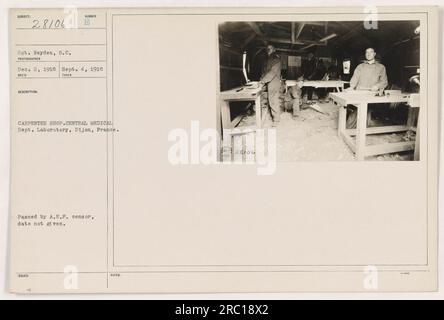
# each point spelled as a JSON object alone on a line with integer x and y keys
{"x": 272, "y": 79}
{"x": 369, "y": 75}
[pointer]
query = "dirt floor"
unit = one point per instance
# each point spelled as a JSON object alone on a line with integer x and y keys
{"x": 313, "y": 136}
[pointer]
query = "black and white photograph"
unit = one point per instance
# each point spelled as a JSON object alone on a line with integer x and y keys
{"x": 333, "y": 90}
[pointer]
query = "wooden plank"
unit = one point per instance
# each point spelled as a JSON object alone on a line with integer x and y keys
{"x": 364, "y": 96}
{"x": 264, "y": 116}
{"x": 225, "y": 114}
{"x": 219, "y": 131}
{"x": 353, "y": 31}
{"x": 316, "y": 108}
{"x": 285, "y": 41}
{"x": 413, "y": 118}
{"x": 348, "y": 141}
{"x": 255, "y": 28}
{"x": 323, "y": 83}
{"x": 245, "y": 94}
{"x": 238, "y": 119}
{"x": 288, "y": 50}
{"x": 242, "y": 130}
{"x": 361, "y": 131}
{"x": 239, "y": 96}
{"x": 389, "y": 148}
{"x": 300, "y": 28}
{"x": 414, "y": 100}
{"x": 336, "y": 84}
{"x": 342, "y": 119}
{"x": 338, "y": 98}
{"x": 314, "y": 23}
{"x": 258, "y": 109}
{"x": 378, "y": 130}
{"x": 416, "y": 154}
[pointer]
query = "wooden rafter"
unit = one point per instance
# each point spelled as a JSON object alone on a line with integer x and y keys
{"x": 300, "y": 41}
{"x": 293, "y": 34}
{"x": 300, "y": 27}
{"x": 256, "y": 28}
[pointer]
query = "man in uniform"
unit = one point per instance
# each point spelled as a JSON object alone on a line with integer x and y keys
{"x": 369, "y": 75}
{"x": 272, "y": 79}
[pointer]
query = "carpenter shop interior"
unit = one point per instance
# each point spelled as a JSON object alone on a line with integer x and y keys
{"x": 332, "y": 90}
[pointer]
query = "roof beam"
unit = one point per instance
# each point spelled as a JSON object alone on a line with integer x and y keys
{"x": 296, "y": 33}
{"x": 309, "y": 46}
{"x": 352, "y": 31}
{"x": 255, "y": 28}
{"x": 299, "y": 42}
{"x": 314, "y": 23}
{"x": 293, "y": 28}
{"x": 300, "y": 27}
{"x": 286, "y": 41}
{"x": 289, "y": 50}
{"x": 285, "y": 50}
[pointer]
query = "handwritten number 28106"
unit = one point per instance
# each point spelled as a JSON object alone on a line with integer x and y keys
{"x": 48, "y": 24}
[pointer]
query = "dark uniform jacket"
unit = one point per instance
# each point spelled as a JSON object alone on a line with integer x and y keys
{"x": 272, "y": 72}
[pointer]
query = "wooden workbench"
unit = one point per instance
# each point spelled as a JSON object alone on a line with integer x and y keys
{"x": 336, "y": 84}
{"x": 245, "y": 93}
{"x": 361, "y": 99}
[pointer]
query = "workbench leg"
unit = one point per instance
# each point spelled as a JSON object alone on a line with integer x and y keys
{"x": 219, "y": 132}
{"x": 258, "y": 109}
{"x": 361, "y": 131}
{"x": 410, "y": 118}
{"x": 342, "y": 119}
{"x": 416, "y": 154}
{"x": 225, "y": 114}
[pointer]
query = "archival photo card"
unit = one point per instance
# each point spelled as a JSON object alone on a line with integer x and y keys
{"x": 209, "y": 150}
